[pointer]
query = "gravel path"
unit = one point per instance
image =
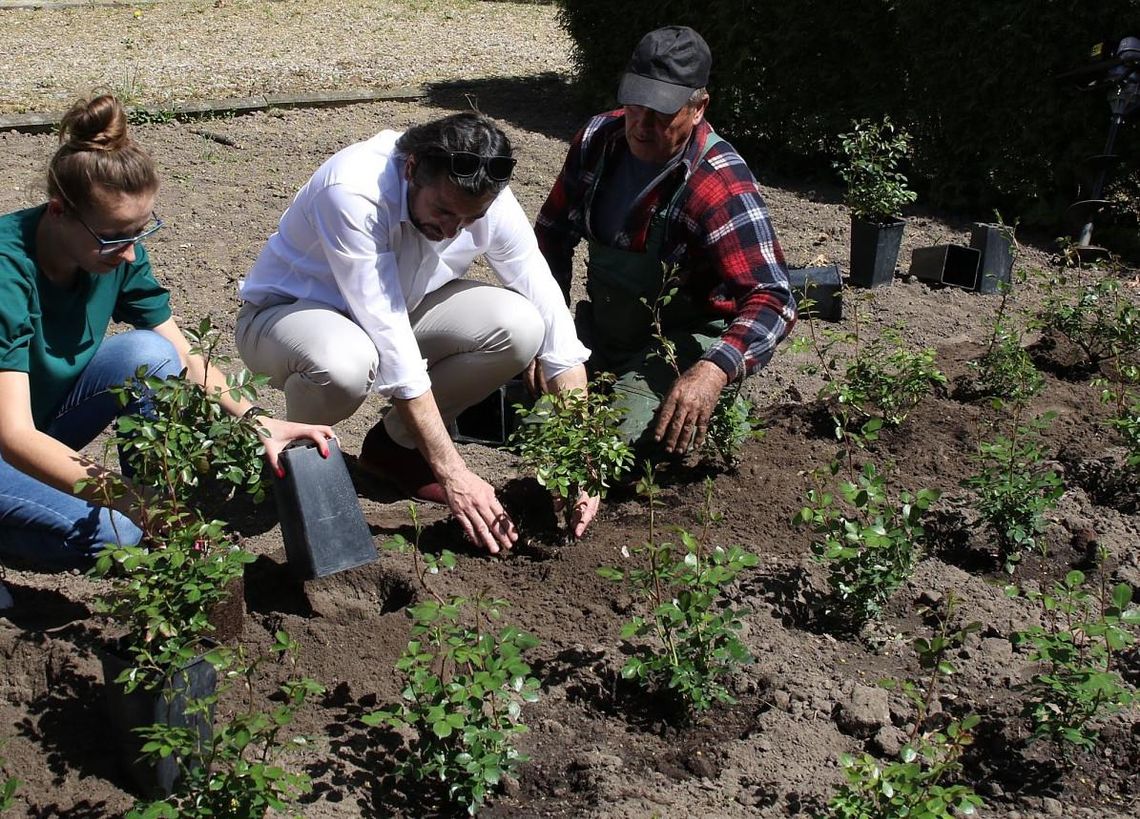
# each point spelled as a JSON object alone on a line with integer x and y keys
{"x": 180, "y": 50}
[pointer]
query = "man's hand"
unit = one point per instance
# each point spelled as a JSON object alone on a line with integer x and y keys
{"x": 473, "y": 503}
{"x": 683, "y": 419}
{"x": 534, "y": 379}
{"x": 585, "y": 509}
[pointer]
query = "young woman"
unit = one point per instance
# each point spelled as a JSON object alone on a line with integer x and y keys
{"x": 67, "y": 269}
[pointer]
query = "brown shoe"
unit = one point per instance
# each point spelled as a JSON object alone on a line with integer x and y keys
{"x": 406, "y": 469}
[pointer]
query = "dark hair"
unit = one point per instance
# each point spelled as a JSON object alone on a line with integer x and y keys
{"x": 431, "y": 143}
{"x": 96, "y": 150}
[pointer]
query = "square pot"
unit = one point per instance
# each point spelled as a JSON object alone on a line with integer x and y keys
{"x": 492, "y": 420}
{"x": 874, "y": 251}
{"x": 321, "y": 523}
{"x": 823, "y": 286}
{"x": 995, "y": 243}
{"x": 952, "y": 265}
{"x": 167, "y": 706}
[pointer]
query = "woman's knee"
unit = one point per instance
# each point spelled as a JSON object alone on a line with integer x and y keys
{"x": 145, "y": 349}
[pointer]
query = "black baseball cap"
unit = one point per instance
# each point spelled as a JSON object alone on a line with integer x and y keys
{"x": 667, "y": 66}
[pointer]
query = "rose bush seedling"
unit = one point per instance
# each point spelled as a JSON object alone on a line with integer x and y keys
{"x": 1084, "y": 636}
{"x": 868, "y": 540}
{"x": 570, "y": 439}
{"x": 465, "y": 682}
{"x": 695, "y": 643}
{"x": 869, "y": 167}
{"x": 238, "y": 772}
{"x": 917, "y": 784}
{"x": 1014, "y": 488}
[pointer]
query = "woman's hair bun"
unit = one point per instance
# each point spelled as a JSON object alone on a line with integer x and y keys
{"x": 99, "y": 124}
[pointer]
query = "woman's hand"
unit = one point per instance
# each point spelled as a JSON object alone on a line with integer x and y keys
{"x": 283, "y": 433}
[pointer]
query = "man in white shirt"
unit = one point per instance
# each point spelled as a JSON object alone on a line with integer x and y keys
{"x": 360, "y": 289}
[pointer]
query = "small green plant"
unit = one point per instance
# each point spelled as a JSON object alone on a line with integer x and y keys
{"x": 864, "y": 380}
{"x": 190, "y": 436}
{"x": 164, "y": 588}
{"x": 1013, "y": 487}
{"x": 871, "y": 155}
{"x": 916, "y": 784}
{"x": 868, "y": 541}
{"x": 1127, "y": 423}
{"x": 1084, "y": 635}
{"x": 571, "y": 441}
{"x": 1102, "y": 320}
{"x": 730, "y": 425}
{"x": 696, "y": 634}
{"x": 8, "y": 787}
{"x": 1006, "y": 370}
{"x": 465, "y": 685}
{"x": 886, "y": 380}
{"x": 731, "y": 422}
{"x": 237, "y": 773}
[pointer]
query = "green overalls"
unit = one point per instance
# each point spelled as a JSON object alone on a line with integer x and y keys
{"x": 621, "y": 331}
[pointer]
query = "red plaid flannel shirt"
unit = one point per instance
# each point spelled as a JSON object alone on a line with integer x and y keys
{"x": 718, "y": 235}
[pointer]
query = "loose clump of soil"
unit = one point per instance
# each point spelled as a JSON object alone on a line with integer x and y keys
{"x": 598, "y": 747}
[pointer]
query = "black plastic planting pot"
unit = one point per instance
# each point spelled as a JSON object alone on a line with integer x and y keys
{"x": 492, "y": 420}
{"x": 166, "y": 706}
{"x": 822, "y": 286}
{"x": 952, "y": 265}
{"x": 321, "y": 523}
{"x": 874, "y": 251}
{"x": 995, "y": 243}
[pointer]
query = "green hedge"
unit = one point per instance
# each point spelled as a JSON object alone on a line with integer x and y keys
{"x": 972, "y": 79}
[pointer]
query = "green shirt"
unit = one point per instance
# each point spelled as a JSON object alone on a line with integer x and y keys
{"x": 52, "y": 333}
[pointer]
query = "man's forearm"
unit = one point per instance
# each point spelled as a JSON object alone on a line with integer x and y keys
{"x": 421, "y": 416}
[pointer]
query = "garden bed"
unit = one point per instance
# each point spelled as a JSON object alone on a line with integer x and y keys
{"x": 599, "y": 746}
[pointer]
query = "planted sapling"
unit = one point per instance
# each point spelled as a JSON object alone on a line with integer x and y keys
{"x": 238, "y": 771}
{"x": 1080, "y": 645}
{"x": 731, "y": 422}
{"x": 869, "y": 541}
{"x": 1006, "y": 370}
{"x": 571, "y": 441}
{"x": 1103, "y": 321}
{"x": 696, "y": 643}
{"x": 465, "y": 685}
{"x": 1015, "y": 488}
{"x": 917, "y": 784}
{"x": 8, "y": 787}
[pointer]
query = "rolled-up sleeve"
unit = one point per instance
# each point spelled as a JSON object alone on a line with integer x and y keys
{"x": 514, "y": 256}
{"x": 354, "y": 232}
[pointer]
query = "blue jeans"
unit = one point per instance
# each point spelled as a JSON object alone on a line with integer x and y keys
{"x": 45, "y": 528}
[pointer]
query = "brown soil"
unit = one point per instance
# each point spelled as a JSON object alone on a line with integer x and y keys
{"x": 597, "y": 746}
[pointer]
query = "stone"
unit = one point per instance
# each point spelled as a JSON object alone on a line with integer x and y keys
{"x": 931, "y": 598}
{"x": 888, "y": 741}
{"x": 1052, "y": 806}
{"x": 864, "y": 712}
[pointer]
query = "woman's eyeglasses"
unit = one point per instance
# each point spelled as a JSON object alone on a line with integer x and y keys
{"x": 465, "y": 164}
{"x": 109, "y": 247}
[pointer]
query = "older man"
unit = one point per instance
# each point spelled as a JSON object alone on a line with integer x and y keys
{"x": 360, "y": 289}
{"x": 664, "y": 202}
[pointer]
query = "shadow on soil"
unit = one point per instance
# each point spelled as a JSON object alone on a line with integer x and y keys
{"x": 541, "y": 103}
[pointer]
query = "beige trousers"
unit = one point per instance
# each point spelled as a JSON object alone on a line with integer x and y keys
{"x": 474, "y": 336}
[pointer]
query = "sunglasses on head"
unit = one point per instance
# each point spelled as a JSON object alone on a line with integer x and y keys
{"x": 465, "y": 164}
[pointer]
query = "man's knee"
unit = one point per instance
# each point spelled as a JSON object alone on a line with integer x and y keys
{"x": 527, "y": 331}
{"x": 330, "y": 391}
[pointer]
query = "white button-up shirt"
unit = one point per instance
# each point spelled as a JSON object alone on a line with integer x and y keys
{"x": 347, "y": 241}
